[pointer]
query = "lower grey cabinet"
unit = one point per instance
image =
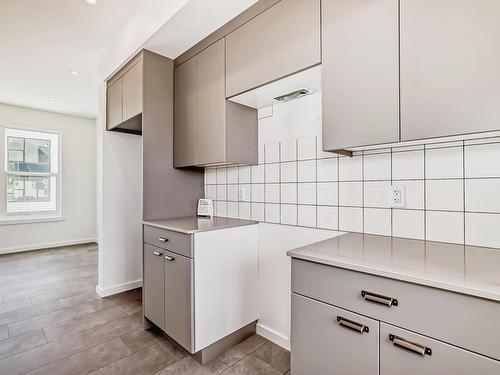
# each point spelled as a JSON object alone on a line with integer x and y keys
{"x": 178, "y": 298}
{"x": 404, "y": 352}
{"x": 329, "y": 340}
{"x": 154, "y": 286}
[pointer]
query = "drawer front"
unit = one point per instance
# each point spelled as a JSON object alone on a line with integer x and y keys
{"x": 401, "y": 353}
{"x": 329, "y": 340}
{"x": 176, "y": 242}
{"x": 154, "y": 286}
{"x": 461, "y": 320}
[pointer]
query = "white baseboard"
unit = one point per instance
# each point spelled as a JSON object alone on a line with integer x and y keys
{"x": 48, "y": 245}
{"x": 273, "y": 336}
{"x": 115, "y": 289}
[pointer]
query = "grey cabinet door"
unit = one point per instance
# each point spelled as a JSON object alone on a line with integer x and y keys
{"x": 450, "y": 81}
{"x": 360, "y": 83}
{"x": 185, "y": 114}
{"x": 397, "y": 359}
{"x": 321, "y": 345}
{"x": 114, "y": 101}
{"x": 280, "y": 41}
{"x": 178, "y": 299}
{"x": 154, "y": 285}
{"x": 211, "y": 105}
{"x": 132, "y": 91}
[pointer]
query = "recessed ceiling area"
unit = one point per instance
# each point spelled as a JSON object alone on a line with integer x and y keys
{"x": 56, "y": 53}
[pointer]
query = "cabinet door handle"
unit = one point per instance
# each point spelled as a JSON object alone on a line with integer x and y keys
{"x": 351, "y": 324}
{"x": 170, "y": 259}
{"x": 410, "y": 346}
{"x": 163, "y": 239}
{"x": 378, "y": 298}
{"x": 157, "y": 253}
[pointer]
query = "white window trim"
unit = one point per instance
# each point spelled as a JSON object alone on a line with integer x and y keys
{"x": 35, "y": 217}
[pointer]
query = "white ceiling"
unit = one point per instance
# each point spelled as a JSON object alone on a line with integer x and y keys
{"x": 42, "y": 40}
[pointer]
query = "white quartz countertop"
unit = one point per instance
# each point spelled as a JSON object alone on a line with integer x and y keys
{"x": 458, "y": 268}
{"x": 193, "y": 224}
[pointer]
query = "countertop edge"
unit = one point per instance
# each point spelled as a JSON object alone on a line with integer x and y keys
{"x": 194, "y": 231}
{"x": 430, "y": 282}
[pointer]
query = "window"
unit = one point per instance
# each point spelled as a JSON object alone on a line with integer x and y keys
{"x": 31, "y": 172}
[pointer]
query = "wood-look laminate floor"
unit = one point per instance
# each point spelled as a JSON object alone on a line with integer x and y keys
{"x": 52, "y": 322}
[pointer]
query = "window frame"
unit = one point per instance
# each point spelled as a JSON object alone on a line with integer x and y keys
{"x": 37, "y": 216}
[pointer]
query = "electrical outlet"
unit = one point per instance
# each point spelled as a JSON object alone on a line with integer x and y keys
{"x": 242, "y": 193}
{"x": 397, "y": 196}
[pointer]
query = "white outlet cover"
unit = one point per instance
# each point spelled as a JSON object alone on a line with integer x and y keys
{"x": 397, "y": 196}
{"x": 242, "y": 193}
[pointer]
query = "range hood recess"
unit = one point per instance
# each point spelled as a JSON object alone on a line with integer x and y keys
{"x": 289, "y": 88}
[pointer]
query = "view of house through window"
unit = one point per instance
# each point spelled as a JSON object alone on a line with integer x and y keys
{"x": 32, "y": 171}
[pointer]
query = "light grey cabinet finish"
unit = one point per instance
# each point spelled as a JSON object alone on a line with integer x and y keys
{"x": 132, "y": 91}
{"x": 473, "y": 323}
{"x": 166, "y": 239}
{"x": 450, "y": 81}
{"x": 114, "y": 108}
{"x": 208, "y": 129}
{"x": 154, "y": 285}
{"x": 320, "y": 345}
{"x": 185, "y": 114}
{"x": 178, "y": 299}
{"x": 444, "y": 358}
{"x": 278, "y": 42}
{"x": 360, "y": 73}
{"x": 210, "y": 104}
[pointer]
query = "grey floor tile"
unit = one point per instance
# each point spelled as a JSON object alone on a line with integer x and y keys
{"x": 21, "y": 343}
{"x": 49, "y": 319}
{"x": 4, "y": 333}
{"x": 274, "y": 355}
{"x": 188, "y": 366}
{"x": 141, "y": 339}
{"x": 87, "y": 360}
{"x": 248, "y": 346}
{"x": 252, "y": 365}
{"x": 14, "y": 305}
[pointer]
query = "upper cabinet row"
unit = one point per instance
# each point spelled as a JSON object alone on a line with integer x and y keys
{"x": 408, "y": 70}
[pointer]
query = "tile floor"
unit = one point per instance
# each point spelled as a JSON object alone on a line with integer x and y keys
{"x": 52, "y": 322}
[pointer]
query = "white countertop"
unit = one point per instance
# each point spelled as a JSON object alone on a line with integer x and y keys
{"x": 463, "y": 269}
{"x": 193, "y": 224}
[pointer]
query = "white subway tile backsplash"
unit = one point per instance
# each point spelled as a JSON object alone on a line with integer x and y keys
{"x": 232, "y": 193}
{"x": 289, "y": 171}
{"x": 221, "y": 192}
{"x": 482, "y": 229}
{"x": 482, "y": 160}
{"x": 244, "y": 192}
{"x": 377, "y": 221}
{"x": 211, "y": 192}
{"x": 307, "y": 171}
{"x": 232, "y": 210}
{"x": 482, "y": 195}
{"x": 328, "y": 218}
{"x": 222, "y": 175}
{"x": 377, "y": 194}
{"x": 272, "y": 173}
{"x": 327, "y": 193}
{"x": 221, "y": 208}
{"x": 289, "y": 214}
{"x": 327, "y": 169}
{"x": 445, "y": 195}
{"x": 306, "y": 148}
{"x": 244, "y": 176}
{"x": 307, "y": 193}
{"x": 258, "y": 212}
{"x": 377, "y": 166}
{"x": 444, "y": 163}
{"x": 272, "y": 193}
{"x": 289, "y": 193}
{"x": 414, "y": 193}
{"x": 272, "y": 213}
{"x": 257, "y": 174}
{"x": 445, "y": 226}
{"x": 210, "y": 176}
{"x": 408, "y": 165}
{"x": 351, "y": 194}
{"x": 351, "y": 219}
{"x": 258, "y": 193}
{"x": 307, "y": 216}
{"x": 408, "y": 224}
{"x": 232, "y": 175}
{"x": 245, "y": 211}
{"x": 288, "y": 150}
{"x": 351, "y": 168}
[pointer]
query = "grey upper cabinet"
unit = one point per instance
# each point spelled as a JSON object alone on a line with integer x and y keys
{"x": 114, "y": 104}
{"x": 132, "y": 91}
{"x": 208, "y": 129}
{"x": 280, "y": 41}
{"x": 360, "y": 74}
{"x": 450, "y": 81}
{"x": 185, "y": 114}
{"x": 329, "y": 340}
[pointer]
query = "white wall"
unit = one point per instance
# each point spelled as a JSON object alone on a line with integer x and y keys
{"x": 78, "y": 182}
